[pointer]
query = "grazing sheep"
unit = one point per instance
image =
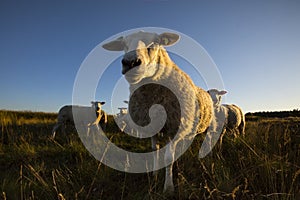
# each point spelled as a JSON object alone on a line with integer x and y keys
{"x": 236, "y": 118}
{"x": 232, "y": 115}
{"x": 156, "y": 80}
{"x": 89, "y": 116}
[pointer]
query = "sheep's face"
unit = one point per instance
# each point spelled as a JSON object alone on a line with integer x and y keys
{"x": 97, "y": 105}
{"x": 141, "y": 53}
{"x": 216, "y": 96}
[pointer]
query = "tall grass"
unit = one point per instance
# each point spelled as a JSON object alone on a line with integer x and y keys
{"x": 264, "y": 164}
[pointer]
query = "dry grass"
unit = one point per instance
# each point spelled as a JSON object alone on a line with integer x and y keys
{"x": 264, "y": 164}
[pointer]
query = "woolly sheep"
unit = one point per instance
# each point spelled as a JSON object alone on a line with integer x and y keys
{"x": 232, "y": 115}
{"x": 89, "y": 116}
{"x": 119, "y": 117}
{"x": 148, "y": 68}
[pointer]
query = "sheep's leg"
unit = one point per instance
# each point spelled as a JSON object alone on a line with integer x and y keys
{"x": 54, "y": 130}
{"x": 155, "y": 147}
{"x": 103, "y": 127}
{"x": 221, "y": 138}
{"x": 206, "y": 145}
{"x": 242, "y": 128}
{"x": 63, "y": 129}
{"x": 235, "y": 132}
{"x": 58, "y": 125}
{"x": 169, "y": 158}
{"x": 93, "y": 129}
{"x": 88, "y": 131}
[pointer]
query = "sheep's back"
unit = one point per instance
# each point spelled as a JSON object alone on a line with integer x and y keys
{"x": 66, "y": 112}
{"x": 234, "y": 116}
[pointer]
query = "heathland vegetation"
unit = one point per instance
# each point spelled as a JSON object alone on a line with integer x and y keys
{"x": 265, "y": 164}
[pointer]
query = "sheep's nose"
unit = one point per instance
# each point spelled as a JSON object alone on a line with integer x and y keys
{"x": 129, "y": 64}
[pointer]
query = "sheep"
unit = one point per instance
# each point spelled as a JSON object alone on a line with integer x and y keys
{"x": 236, "y": 119}
{"x": 231, "y": 115}
{"x": 119, "y": 117}
{"x": 154, "y": 79}
{"x": 88, "y": 116}
{"x": 122, "y": 111}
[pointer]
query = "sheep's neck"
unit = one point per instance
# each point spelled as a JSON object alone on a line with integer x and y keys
{"x": 167, "y": 69}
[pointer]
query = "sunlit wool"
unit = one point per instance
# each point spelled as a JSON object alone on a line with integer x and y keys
{"x": 234, "y": 119}
{"x": 152, "y": 64}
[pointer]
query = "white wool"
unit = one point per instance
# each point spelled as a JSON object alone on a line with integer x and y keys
{"x": 86, "y": 116}
{"x": 232, "y": 115}
{"x": 146, "y": 62}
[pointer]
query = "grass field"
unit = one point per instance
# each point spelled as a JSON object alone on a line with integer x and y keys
{"x": 265, "y": 164}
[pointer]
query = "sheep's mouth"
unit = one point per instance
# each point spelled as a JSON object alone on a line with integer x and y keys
{"x": 125, "y": 69}
{"x": 133, "y": 76}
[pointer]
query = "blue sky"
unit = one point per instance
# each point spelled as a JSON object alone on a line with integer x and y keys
{"x": 255, "y": 45}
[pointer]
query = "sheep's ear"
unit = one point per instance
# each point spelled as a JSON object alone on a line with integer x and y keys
{"x": 167, "y": 39}
{"x": 102, "y": 103}
{"x": 222, "y": 92}
{"x": 116, "y": 45}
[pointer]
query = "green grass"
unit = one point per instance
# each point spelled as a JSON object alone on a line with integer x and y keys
{"x": 265, "y": 164}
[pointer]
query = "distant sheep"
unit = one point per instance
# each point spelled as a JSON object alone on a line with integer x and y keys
{"x": 119, "y": 118}
{"x": 147, "y": 67}
{"x": 232, "y": 115}
{"x": 236, "y": 118}
{"x": 89, "y": 116}
{"x": 122, "y": 111}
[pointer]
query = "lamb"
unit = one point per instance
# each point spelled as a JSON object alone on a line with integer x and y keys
{"x": 154, "y": 80}
{"x": 231, "y": 115}
{"x": 88, "y": 116}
